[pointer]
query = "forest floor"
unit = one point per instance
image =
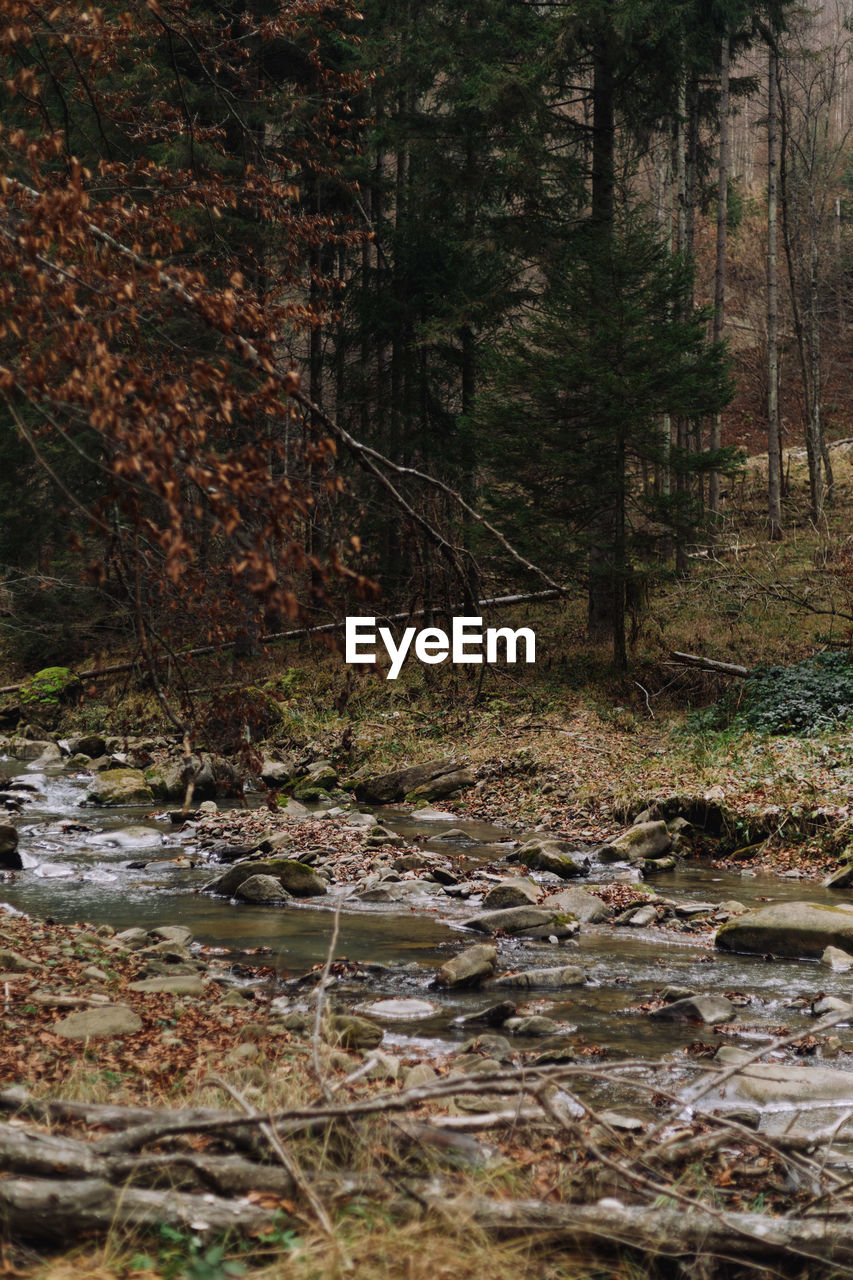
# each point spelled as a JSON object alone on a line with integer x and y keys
{"x": 566, "y": 745}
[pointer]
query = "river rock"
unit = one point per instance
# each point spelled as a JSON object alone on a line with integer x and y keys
{"x": 644, "y": 840}
{"x": 444, "y": 785}
{"x": 276, "y": 772}
{"x": 351, "y": 1032}
{"x": 564, "y": 975}
{"x": 293, "y": 876}
{"x": 512, "y": 920}
{"x": 388, "y": 787}
{"x": 837, "y": 960}
{"x": 789, "y": 929}
{"x": 178, "y": 933}
{"x": 261, "y": 889}
{"x": 841, "y": 879}
{"x": 549, "y": 855}
{"x": 405, "y": 1009}
{"x": 13, "y": 962}
{"x": 420, "y": 1074}
{"x": 469, "y": 968}
{"x": 103, "y": 1020}
{"x": 533, "y": 1025}
{"x": 709, "y": 1009}
{"x": 512, "y": 893}
{"x": 586, "y": 907}
{"x": 27, "y": 750}
{"x": 173, "y": 984}
{"x": 119, "y": 787}
{"x": 494, "y": 1015}
{"x": 765, "y": 1083}
{"x": 10, "y": 859}
{"x": 87, "y": 744}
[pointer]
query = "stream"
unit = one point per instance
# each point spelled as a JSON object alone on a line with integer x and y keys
{"x": 76, "y": 869}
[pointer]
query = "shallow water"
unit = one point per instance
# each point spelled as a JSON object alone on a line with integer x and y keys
{"x": 77, "y": 870}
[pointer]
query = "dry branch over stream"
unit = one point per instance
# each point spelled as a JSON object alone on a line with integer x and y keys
{"x": 222, "y": 1172}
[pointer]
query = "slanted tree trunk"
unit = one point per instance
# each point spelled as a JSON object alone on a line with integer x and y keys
{"x": 774, "y": 435}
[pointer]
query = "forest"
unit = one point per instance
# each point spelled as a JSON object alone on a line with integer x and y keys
{"x": 426, "y": 598}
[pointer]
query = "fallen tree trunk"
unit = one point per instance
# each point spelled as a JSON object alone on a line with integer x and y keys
{"x": 710, "y": 664}
{"x": 44, "y": 1209}
{"x": 663, "y": 1232}
{"x": 300, "y": 633}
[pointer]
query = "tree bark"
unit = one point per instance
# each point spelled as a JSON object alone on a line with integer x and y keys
{"x": 720, "y": 267}
{"x": 774, "y": 435}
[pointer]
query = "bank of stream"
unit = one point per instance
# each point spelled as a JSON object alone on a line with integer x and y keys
{"x": 125, "y": 868}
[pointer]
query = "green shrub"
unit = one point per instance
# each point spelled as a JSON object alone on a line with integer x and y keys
{"x": 809, "y": 697}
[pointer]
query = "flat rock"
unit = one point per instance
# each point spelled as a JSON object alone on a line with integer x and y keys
{"x": 765, "y": 1083}
{"x": 565, "y": 975}
{"x": 176, "y": 985}
{"x": 469, "y": 968}
{"x": 104, "y": 1020}
{"x": 789, "y": 929}
{"x": 403, "y": 1009}
{"x": 709, "y": 1009}
{"x": 511, "y": 920}
{"x": 586, "y": 907}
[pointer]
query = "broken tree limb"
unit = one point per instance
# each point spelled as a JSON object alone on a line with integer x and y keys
{"x": 663, "y": 1232}
{"x": 51, "y": 1209}
{"x": 303, "y": 633}
{"x": 710, "y": 664}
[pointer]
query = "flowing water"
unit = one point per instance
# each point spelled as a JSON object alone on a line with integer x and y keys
{"x": 77, "y": 870}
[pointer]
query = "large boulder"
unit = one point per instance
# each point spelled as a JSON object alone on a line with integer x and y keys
{"x": 644, "y": 840}
{"x": 586, "y": 907}
{"x": 789, "y": 929}
{"x": 423, "y": 779}
{"x": 118, "y": 787}
{"x": 293, "y": 876}
{"x": 515, "y": 920}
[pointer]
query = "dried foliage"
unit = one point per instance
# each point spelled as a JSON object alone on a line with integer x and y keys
{"x": 151, "y": 231}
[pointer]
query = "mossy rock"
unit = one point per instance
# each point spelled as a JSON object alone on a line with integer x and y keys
{"x": 293, "y": 876}
{"x": 308, "y": 793}
{"x": 45, "y": 693}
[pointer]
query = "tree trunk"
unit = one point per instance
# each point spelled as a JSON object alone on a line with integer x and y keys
{"x": 605, "y": 618}
{"x": 774, "y": 437}
{"x": 720, "y": 268}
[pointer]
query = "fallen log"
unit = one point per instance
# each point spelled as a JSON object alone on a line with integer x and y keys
{"x": 710, "y": 664}
{"x": 299, "y": 633}
{"x": 52, "y": 1209}
{"x": 661, "y": 1232}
